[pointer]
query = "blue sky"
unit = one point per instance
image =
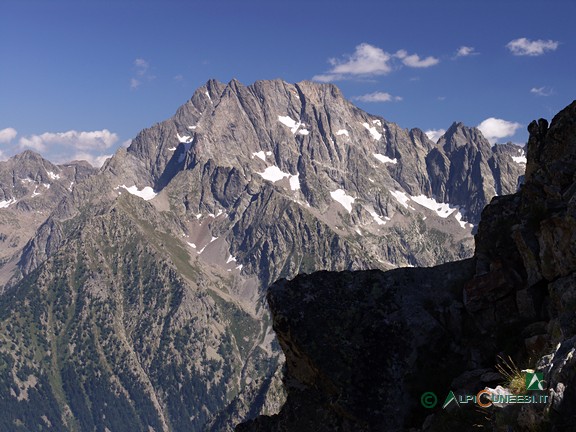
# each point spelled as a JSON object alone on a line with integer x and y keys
{"x": 80, "y": 78}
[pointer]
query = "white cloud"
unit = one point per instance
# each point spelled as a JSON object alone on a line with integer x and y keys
{"x": 366, "y": 60}
{"x": 414, "y": 60}
{"x": 94, "y": 160}
{"x": 465, "y": 51}
{"x": 541, "y": 91}
{"x": 7, "y": 135}
{"x": 378, "y": 97}
{"x": 135, "y": 83}
{"x": 141, "y": 69}
{"x": 435, "y": 134}
{"x": 494, "y": 129}
{"x": 93, "y": 140}
{"x": 34, "y": 142}
{"x": 327, "y": 77}
{"x": 526, "y": 47}
{"x": 142, "y": 65}
{"x": 369, "y": 60}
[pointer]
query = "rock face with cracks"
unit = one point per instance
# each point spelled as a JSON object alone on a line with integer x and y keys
{"x": 134, "y": 301}
{"x": 362, "y": 347}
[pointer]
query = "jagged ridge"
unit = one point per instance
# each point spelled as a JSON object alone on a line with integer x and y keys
{"x": 244, "y": 185}
{"x": 361, "y": 348}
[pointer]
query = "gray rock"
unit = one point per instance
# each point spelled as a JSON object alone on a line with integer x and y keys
{"x": 149, "y": 300}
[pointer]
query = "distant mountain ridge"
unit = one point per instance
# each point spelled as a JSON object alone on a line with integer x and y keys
{"x": 30, "y": 188}
{"x": 142, "y": 289}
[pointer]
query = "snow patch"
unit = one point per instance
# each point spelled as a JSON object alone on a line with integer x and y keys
{"x": 375, "y": 134}
{"x": 230, "y": 259}
{"x": 213, "y": 239}
{"x": 378, "y": 219}
{"x": 342, "y": 132}
{"x": 260, "y": 155}
{"x": 239, "y": 267}
{"x": 208, "y": 95}
{"x": 344, "y": 199}
{"x": 294, "y": 182}
{"x": 35, "y": 193}
{"x": 377, "y": 122}
{"x": 442, "y": 209}
{"x": 293, "y": 125}
{"x": 273, "y": 174}
{"x": 288, "y": 121}
{"x": 7, "y": 203}
{"x": 192, "y": 127}
{"x": 519, "y": 159}
{"x": 52, "y": 175}
{"x": 385, "y": 159}
{"x": 401, "y": 197}
{"x": 192, "y": 245}
{"x": 147, "y": 193}
{"x": 184, "y": 138}
{"x": 458, "y": 217}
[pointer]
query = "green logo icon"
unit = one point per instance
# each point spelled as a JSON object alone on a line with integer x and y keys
{"x": 428, "y": 400}
{"x": 534, "y": 381}
{"x": 449, "y": 399}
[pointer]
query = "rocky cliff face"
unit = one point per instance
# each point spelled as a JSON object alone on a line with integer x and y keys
{"x": 526, "y": 267}
{"x": 138, "y": 302}
{"x": 361, "y": 348}
{"x": 303, "y": 150}
{"x": 384, "y": 196}
{"x": 30, "y": 189}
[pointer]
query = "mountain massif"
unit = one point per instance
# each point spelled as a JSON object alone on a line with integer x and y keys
{"x": 362, "y": 348}
{"x": 30, "y": 188}
{"x": 132, "y": 296}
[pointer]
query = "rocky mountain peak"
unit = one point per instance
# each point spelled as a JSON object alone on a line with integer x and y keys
{"x": 298, "y": 126}
{"x": 196, "y": 218}
{"x": 31, "y": 187}
{"x": 552, "y": 150}
{"x": 305, "y": 144}
{"x": 28, "y": 155}
{"x": 458, "y": 135}
{"x": 446, "y": 328}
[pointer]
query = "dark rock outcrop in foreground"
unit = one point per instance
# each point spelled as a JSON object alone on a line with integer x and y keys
{"x": 362, "y": 347}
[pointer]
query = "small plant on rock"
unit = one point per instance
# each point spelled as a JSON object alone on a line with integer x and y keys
{"x": 515, "y": 379}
